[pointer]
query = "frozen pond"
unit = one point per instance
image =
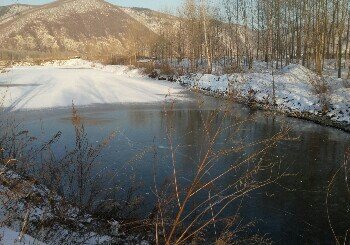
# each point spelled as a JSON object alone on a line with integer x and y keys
{"x": 292, "y": 211}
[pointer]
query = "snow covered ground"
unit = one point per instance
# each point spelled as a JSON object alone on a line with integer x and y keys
{"x": 11, "y": 237}
{"x": 49, "y": 218}
{"x": 60, "y": 83}
{"x": 295, "y": 90}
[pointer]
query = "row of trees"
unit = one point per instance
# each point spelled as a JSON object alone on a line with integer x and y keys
{"x": 304, "y": 31}
{"x": 234, "y": 33}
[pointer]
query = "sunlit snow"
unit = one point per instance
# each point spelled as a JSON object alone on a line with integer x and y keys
{"x": 84, "y": 83}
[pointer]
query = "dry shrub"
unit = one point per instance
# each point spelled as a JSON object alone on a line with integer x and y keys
{"x": 342, "y": 174}
{"x": 232, "y": 69}
{"x": 346, "y": 83}
{"x": 166, "y": 69}
{"x": 113, "y": 60}
{"x": 147, "y": 68}
{"x": 319, "y": 85}
{"x": 180, "y": 71}
{"x": 322, "y": 91}
{"x": 69, "y": 174}
{"x": 187, "y": 211}
{"x": 251, "y": 97}
{"x": 33, "y": 57}
{"x": 38, "y": 62}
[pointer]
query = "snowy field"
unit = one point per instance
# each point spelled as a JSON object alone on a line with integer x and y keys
{"x": 58, "y": 84}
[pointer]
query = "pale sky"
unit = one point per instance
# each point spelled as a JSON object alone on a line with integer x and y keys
{"x": 152, "y": 4}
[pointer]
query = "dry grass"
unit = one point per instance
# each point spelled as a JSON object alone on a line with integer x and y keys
{"x": 110, "y": 60}
{"x": 233, "y": 69}
{"x": 166, "y": 69}
{"x": 322, "y": 90}
{"x": 346, "y": 83}
{"x": 70, "y": 175}
{"x": 319, "y": 85}
{"x": 185, "y": 211}
{"x": 147, "y": 68}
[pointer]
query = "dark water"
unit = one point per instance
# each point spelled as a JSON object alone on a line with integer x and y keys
{"x": 290, "y": 212}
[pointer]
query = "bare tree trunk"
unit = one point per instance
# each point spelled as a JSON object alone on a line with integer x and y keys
{"x": 205, "y": 29}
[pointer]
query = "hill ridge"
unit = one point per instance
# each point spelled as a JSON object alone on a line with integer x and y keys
{"x": 71, "y": 25}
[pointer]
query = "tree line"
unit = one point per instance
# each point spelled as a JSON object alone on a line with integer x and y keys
{"x": 233, "y": 33}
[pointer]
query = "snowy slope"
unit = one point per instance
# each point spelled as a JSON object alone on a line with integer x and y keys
{"x": 84, "y": 83}
{"x": 10, "y": 12}
{"x": 22, "y": 197}
{"x": 153, "y": 20}
{"x": 84, "y": 26}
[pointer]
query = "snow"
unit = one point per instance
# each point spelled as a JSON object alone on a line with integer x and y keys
{"x": 294, "y": 90}
{"x": 15, "y": 205}
{"x": 10, "y": 237}
{"x": 58, "y": 83}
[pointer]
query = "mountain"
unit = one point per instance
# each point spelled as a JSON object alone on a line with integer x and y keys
{"x": 153, "y": 20}
{"x": 84, "y": 26}
{"x": 88, "y": 27}
{"x": 9, "y": 12}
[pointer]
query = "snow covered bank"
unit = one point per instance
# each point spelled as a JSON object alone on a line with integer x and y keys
{"x": 294, "y": 91}
{"x": 85, "y": 83}
{"x": 45, "y": 217}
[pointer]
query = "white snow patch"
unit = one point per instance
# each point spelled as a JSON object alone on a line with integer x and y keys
{"x": 10, "y": 237}
{"x": 60, "y": 83}
{"x": 294, "y": 91}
